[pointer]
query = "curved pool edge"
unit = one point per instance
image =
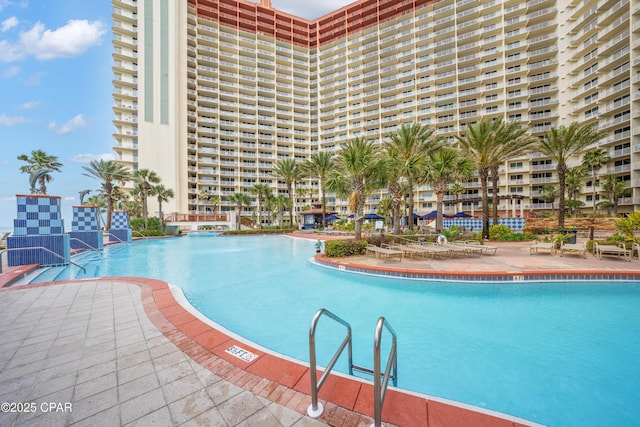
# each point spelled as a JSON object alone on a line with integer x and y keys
{"x": 554, "y": 275}
{"x": 283, "y": 380}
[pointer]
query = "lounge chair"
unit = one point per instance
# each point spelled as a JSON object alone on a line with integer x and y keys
{"x": 385, "y": 253}
{"x": 544, "y": 246}
{"x": 433, "y": 249}
{"x": 612, "y": 250}
{"x": 477, "y": 246}
{"x": 579, "y": 248}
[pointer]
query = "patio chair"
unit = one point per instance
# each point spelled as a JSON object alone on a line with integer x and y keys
{"x": 542, "y": 246}
{"x": 579, "y": 248}
{"x": 619, "y": 251}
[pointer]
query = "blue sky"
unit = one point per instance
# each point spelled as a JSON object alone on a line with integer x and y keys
{"x": 55, "y": 90}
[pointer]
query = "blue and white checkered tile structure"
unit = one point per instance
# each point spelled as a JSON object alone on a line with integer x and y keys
{"x": 475, "y": 224}
{"x": 120, "y": 228}
{"x": 85, "y": 218}
{"x": 119, "y": 220}
{"x": 39, "y": 225}
{"x": 38, "y": 216}
{"x": 85, "y": 228}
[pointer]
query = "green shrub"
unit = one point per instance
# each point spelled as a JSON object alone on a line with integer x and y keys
{"x": 136, "y": 223}
{"x": 498, "y": 231}
{"x": 343, "y": 248}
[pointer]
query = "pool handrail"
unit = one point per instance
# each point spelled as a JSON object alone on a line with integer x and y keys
{"x": 49, "y": 251}
{"x": 85, "y": 243}
{"x": 315, "y": 409}
{"x": 380, "y": 383}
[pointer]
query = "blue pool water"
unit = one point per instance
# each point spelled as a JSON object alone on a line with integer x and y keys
{"x": 561, "y": 354}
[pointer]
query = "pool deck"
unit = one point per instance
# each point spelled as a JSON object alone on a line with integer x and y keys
{"x": 124, "y": 351}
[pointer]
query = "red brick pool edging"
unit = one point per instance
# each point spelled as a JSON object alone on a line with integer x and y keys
{"x": 346, "y": 401}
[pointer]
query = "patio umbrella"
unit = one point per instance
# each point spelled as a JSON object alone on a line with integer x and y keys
{"x": 462, "y": 215}
{"x": 372, "y": 216}
{"x": 332, "y": 217}
{"x": 433, "y": 214}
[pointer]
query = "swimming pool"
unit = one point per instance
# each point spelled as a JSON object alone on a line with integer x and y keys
{"x": 561, "y": 354}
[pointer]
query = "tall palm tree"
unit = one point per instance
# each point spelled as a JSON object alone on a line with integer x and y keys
{"x": 261, "y": 191}
{"x": 145, "y": 178}
{"x": 290, "y": 172}
{"x": 488, "y": 143}
{"x": 358, "y": 171}
{"x": 445, "y": 166}
{"x": 513, "y": 141}
{"x": 319, "y": 165}
{"x": 593, "y": 159}
{"x": 563, "y": 143}
{"x": 396, "y": 192}
{"x": 40, "y": 160}
{"x": 240, "y": 200}
{"x": 162, "y": 195}
{"x": 108, "y": 171}
{"x": 407, "y": 152}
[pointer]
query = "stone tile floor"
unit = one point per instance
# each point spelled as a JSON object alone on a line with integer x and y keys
{"x": 87, "y": 354}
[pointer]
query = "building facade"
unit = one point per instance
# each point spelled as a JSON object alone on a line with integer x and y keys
{"x": 211, "y": 94}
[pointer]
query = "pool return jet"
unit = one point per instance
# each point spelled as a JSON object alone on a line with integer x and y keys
{"x": 380, "y": 380}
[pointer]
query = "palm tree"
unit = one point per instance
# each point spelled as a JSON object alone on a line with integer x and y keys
{"x": 108, "y": 171}
{"x": 145, "y": 178}
{"x": 261, "y": 191}
{"x": 240, "y": 200}
{"x": 573, "y": 183}
{"x": 513, "y": 141}
{"x": 40, "y": 160}
{"x": 593, "y": 159}
{"x": 488, "y": 143}
{"x": 358, "y": 171}
{"x": 396, "y": 192}
{"x": 457, "y": 190}
{"x": 163, "y": 195}
{"x": 319, "y": 165}
{"x": 561, "y": 144}
{"x": 290, "y": 172}
{"x": 202, "y": 195}
{"x": 445, "y": 166}
{"x": 407, "y": 152}
{"x": 614, "y": 189}
{"x": 276, "y": 205}
{"x": 549, "y": 193}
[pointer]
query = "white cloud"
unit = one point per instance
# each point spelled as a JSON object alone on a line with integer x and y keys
{"x": 70, "y": 40}
{"x": 69, "y": 198}
{"x": 10, "y": 52}
{"x": 75, "y": 123}
{"x": 10, "y": 121}
{"x": 30, "y": 105}
{"x": 87, "y": 157}
{"x": 10, "y": 72}
{"x": 7, "y": 3}
{"x": 8, "y": 24}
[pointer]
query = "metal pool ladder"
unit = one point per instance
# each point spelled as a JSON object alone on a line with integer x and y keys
{"x": 380, "y": 381}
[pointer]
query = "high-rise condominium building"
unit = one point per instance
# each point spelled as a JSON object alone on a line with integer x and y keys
{"x": 211, "y": 94}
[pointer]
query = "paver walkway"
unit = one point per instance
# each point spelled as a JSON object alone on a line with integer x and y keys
{"x": 90, "y": 349}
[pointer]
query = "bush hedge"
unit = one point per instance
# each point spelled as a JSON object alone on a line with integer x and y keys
{"x": 342, "y": 248}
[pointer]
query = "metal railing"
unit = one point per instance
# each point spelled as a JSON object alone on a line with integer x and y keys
{"x": 136, "y": 231}
{"x": 380, "y": 382}
{"x": 84, "y": 243}
{"x": 84, "y": 270}
{"x": 315, "y": 409}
